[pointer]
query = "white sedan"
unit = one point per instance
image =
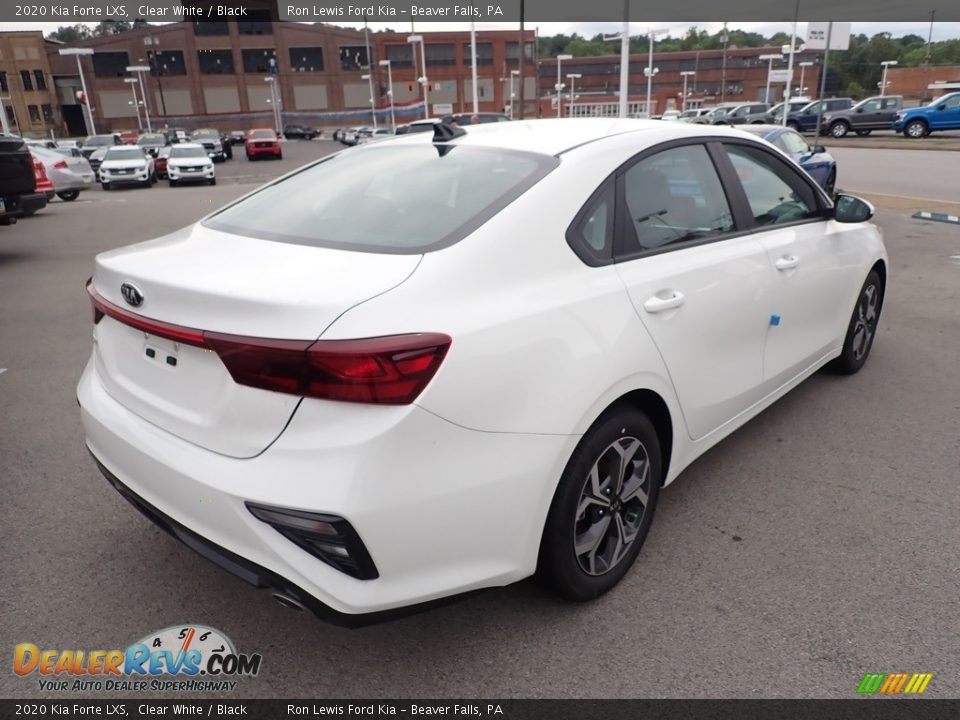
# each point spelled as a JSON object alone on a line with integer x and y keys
{"x": 190, "y": 162}
{"x": 452, "y": 361}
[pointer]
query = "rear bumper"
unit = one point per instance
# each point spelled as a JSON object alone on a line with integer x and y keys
{"x": 253, "y": 151}
{"x": 32, "y": 202}
{"x": 442, "y": 510}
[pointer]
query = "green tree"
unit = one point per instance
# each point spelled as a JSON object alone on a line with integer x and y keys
{"x": 70, "y": 33}
{"x": 112, "y": 27}
{"x": 855, "y": 90}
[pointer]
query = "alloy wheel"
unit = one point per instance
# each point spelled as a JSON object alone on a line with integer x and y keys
{"x": 866, "y": 321}
{"x": 612, "y": 505}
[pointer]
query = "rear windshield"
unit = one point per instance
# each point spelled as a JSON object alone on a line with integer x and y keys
{"x": 407, "y": 199}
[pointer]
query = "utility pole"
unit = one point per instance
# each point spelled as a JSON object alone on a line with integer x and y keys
{"x": 625, "y": 60}
{"x": 521, "y": 46}
{"x": 724, "y": 38}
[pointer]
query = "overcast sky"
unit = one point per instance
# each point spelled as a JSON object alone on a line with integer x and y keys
{"x": 941, "y": 31}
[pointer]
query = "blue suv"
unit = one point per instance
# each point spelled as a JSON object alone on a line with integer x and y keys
{"x": 942, "y": 114}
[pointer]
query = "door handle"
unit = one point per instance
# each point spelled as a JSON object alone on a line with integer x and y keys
{"x": 787, "y": 262}
{"x": 673, "y": 299}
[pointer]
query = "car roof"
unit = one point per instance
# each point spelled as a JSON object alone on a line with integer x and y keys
{"x": 556, "y": 136}
{"x": 197, "y": 146}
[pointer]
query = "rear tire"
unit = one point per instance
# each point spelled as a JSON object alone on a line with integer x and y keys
{"x": 603, "y": 506}
{"x": 863, "y": 133}
{"x": 839, "y": 129}
{"x": 69, "y": 195}
{"x": 831, "y": 184}
{"x": 863, "y": 326}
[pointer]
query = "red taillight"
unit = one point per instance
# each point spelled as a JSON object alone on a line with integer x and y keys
{"x": 60, "y": 165}
{"x": 390, "y": 370}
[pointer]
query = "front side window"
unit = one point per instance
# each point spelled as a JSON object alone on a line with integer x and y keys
{"x": 776, "y": 193}
{"x": 953, "y": 102}
{"x": 870, "y": 106}
{"x": 386, "y": 199}
{"x": 675, "y": 196}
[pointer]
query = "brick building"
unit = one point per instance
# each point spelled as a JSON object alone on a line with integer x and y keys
{"x": 26, "y": 85}
{"x": 914, "y": 82}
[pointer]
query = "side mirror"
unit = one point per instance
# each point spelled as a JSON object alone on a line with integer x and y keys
{"x": 851, "y": 209}
{"x": 818, "y": 149}
{"x": 942, "y": 106}
{"x": 859, "y": 110}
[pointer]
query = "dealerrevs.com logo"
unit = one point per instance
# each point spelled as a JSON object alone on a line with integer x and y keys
{"x": 177, "y": 658}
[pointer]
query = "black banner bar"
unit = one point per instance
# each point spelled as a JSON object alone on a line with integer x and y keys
{"x": 496, "y": 11}
{"x": 854, "y": 709}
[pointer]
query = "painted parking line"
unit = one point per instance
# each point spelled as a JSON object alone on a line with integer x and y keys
{"x": 2, "y": 371}
{"x": 936, "y": 217}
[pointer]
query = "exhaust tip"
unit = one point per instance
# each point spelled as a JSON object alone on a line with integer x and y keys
{"x": 288, "y": 602}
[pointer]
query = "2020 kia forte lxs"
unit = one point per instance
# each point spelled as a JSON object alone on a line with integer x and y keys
{"x": 447, "y": 362}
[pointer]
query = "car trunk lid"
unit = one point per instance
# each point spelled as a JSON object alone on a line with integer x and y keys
{"x": 203, "y": 279}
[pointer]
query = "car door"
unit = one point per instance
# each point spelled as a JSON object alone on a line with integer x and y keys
{"x": 814, "y": 267}
{"x": 887, "y": 113}
{"x": 699, "y": 285}
{"x": 868, "y": 116}
{"x": 946, "y": 116}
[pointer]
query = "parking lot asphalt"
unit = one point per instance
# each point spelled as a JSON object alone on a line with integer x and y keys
{"x": 816, "y": 544}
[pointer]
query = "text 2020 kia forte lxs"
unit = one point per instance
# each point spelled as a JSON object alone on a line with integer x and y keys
{"x": 435, "y": 364}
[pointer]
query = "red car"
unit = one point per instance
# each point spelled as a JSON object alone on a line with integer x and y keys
{"x": 262, "y": 142}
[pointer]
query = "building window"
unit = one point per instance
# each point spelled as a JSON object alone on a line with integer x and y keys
{"x": 25, "y": 79}
{"x": 211, "y": 28}
{"x": 12, "y": 116}
{"x": 41, "y": 81}
{"x": 513, "y": 54}
{"x": 440, "y": 54}
{"x": 47, "y": 113}
{"x": 215, "y": 62}
{"x": 258, "y": 60}
{"x": 3, "y": 82}
{"x": 259, "y": 24}
{"x": 110, "y": 64}
{"x": 400, "y": 55}
{"x": 353, "y": 57}
{"x": 34, "y": 114}
{"x": 484, "y": 54}
{"x": 306, "y": 59}
{"x": 167, "y": 62}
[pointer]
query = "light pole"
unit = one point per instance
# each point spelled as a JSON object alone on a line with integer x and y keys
{"x": 686, "y": 74}
{"x": 132, "y": 82}
{"x": 91, "y": 127}
{"x": 883, "y": 82}
{"x": 724, "y": 38}
{"x": 803, "y": 66}
{"x": 373, "y": 108}
{"x": 649, "y": 73}
{"x": 139, "y": 70}
{"x": 651, "y": 70}
{"x": 769, "y": 58}
{"x": 423, "y": 65}
{"x": 393, "y": 119}
{"x": 572, "y": 77}
{"x": 473, "y": 65}
{"x": 275, "y": 102}
{"x": 559, "y": 87}
{"x": 513, "y": 74}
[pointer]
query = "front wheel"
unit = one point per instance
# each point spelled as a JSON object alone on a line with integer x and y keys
{"x": 863, "y": 326}
{"x": 69, "y": 195}
{"x": 603, "y": 506}
{"x": 916, "y": 129}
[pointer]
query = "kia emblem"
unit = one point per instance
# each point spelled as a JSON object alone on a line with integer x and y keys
{"x": 131, "y": 293}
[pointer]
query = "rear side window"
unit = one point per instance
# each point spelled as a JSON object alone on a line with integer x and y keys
{"x": 591, "y": 235}
{"x": 675, "y": 196}
{"x": 777, "y": 194}
{"x": 387, "y": 199}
